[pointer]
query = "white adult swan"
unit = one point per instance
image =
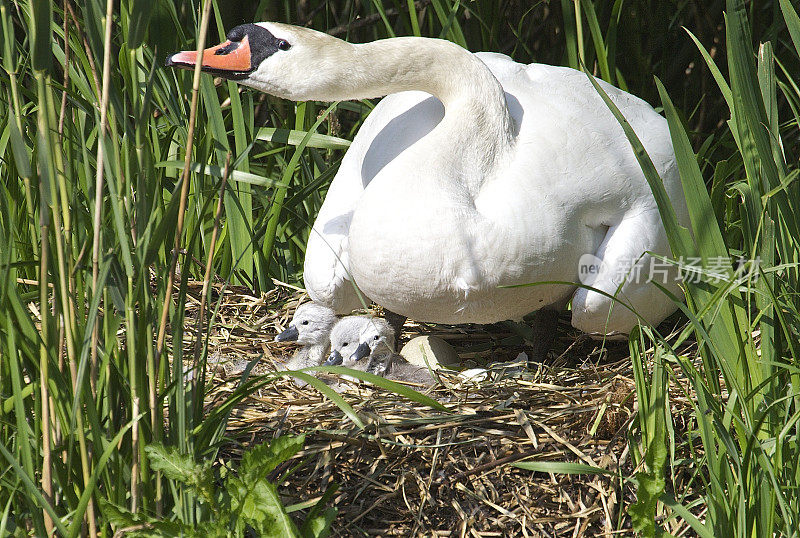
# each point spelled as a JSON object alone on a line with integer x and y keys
{"x": 508, "y": 175}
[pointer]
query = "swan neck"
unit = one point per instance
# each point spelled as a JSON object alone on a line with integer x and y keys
{"x": 477, "y": 122}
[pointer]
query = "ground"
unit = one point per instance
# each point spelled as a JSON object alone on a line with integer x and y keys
{"x": 416, "y": 471}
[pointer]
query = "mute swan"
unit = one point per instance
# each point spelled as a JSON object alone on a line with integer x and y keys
{"x": 311, "y": 327}
{"x": 476, "y": 173}
{"x": 367, "y": 344}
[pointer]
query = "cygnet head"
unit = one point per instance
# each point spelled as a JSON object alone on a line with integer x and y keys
{"x": 310, "y": 325}
{"x": 377, "y": 336}
{"x": 345, "y": 338}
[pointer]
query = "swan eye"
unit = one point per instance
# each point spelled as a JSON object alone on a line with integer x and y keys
{"x": 305, "y": 322}
{"x": 375, "y": 337}
{"x": 345, "y": 344}
{"x": 284, "y": 45}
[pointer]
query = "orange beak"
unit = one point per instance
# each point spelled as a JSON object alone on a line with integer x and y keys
{"x": 228, "y": 56}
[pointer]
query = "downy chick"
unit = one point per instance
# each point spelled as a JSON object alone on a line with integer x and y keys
{"x": 374, "y": 352}
{"x": 345, "y": 338}
{"x": 311, "y": 327}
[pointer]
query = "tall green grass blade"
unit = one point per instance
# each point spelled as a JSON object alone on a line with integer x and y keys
{"x": 19, "y": 150}
{"x": 217, "y": 171}
{"x": 750, "y": 117}
{"x": 451, "y": 29}
{"x": 412, "y": 17}
{"x": 270, "y": 234}
{"x": 34, "y": 494}
{"x": 708, "y": 236}
{"x": 40, "y": 34}
{"x": 792, "y": 23}
{"x": 384, "y": 383}
{"x": 611, "y": 40}
{"x": 600, "y": 49}
{"x": 378, "y": 5}
{"x": 139, "y": 15}
{"x": 712, "y": 66}
{"x": 101, "y": 462}
{"x": 295, "y": 138}
{"x": 329, "y": 393}
{"x": 687, "y": 516}
{"x": 570, "y": 34}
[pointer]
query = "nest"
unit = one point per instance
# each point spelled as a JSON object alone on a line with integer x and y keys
{"x": 417, "y": 471}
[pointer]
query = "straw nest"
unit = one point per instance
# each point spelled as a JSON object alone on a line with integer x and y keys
{"x": 416, "y": 471}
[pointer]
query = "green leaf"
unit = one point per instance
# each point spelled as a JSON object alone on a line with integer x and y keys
{"x": 320, "y": 517}
{"x": 319, "y": 526}
{"x": 216, "y": 171}
{"x": 792, "y": 23}
{"x": 597, "y": 38}
{"x": 707, "y": 233}
{"x": 138, "y": 20}
{"x": 680, "y": 241}
{"x": 40, "y": 34}
{"x": 20, "y": 151}
{"x": 697, "y": 526}
{"x": 561, "y": 467}
{"x": 139, "y": 525}
{"x": 261, "y": 460}
{"x": 715, "y": 72}
{"x": 295, "y": 138}
{"x": 258, "y": 504}
{"x": 651, "y": 486}
{"x": 33, "y": 490}
{"x": 384, "y": 383}
{"x": 172, "y": 463}
{"x": 182, "y": 468}
{"x": 119, "y": 517}
{"x": 328, "y": 392}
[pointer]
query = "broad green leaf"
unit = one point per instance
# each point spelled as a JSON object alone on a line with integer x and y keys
{"x": 257, "y": 502}
{"x": 261, "y": 460}
{"x": 651, "y": 486}
{"x": 182, "y": 468}
{"x": 319, "y": 526}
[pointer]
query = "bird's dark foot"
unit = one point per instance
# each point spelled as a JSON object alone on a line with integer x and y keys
{"x": 396, "y": 321}
{"x": 545, "y": 327}
{"x": 540, "y": 335}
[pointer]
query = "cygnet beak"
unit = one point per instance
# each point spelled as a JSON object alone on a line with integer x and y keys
{"x": 334, "y": 359}
{"x": 289, "y": 335}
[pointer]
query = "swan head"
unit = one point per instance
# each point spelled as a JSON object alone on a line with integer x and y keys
{"x": 286, "y": 61}
{"x": 345, "y": 339}
{"x": 310, "y": 325}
